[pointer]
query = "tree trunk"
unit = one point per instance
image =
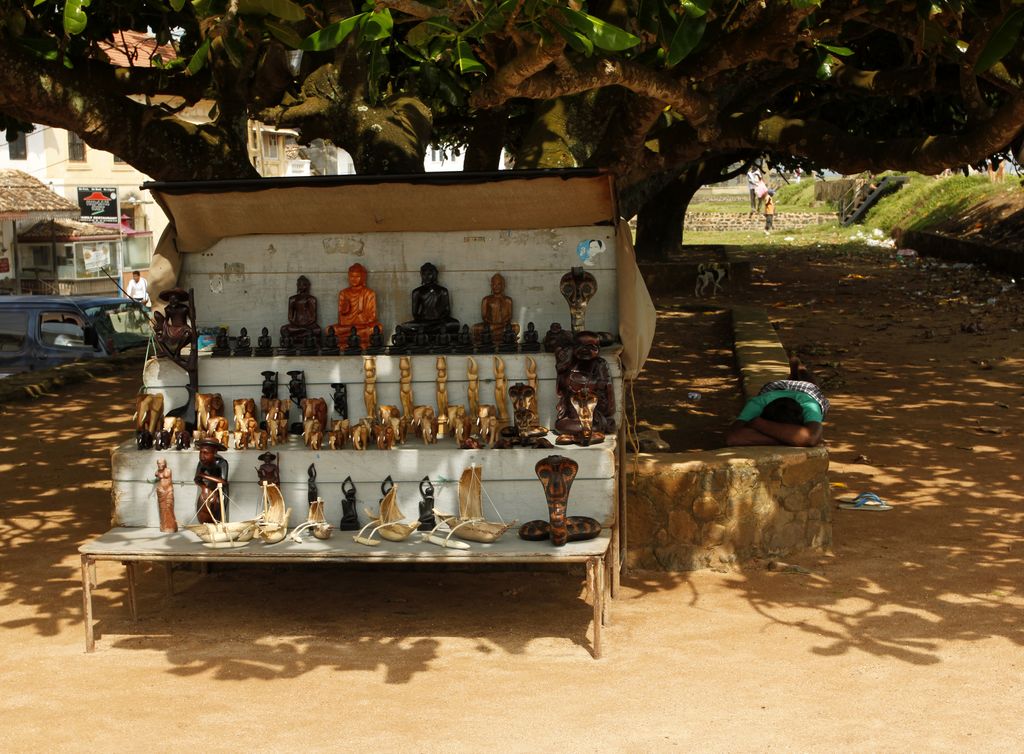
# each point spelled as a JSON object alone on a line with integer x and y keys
{"x": 659, "y": 224}
{"x": 483, "y": 153}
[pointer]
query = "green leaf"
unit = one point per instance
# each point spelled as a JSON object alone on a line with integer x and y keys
{"x": 283, "y": 33}
{"x": 331, "y": 36}
{"x": 824, "y": 72}
{"x": 410, "y": 52}
{"x": 177, "y": 5}
{"x": 377, "y": 26}
{"x": 601, "y": 33}
{"x": 449, "y": 90}
{"x": 286, "y": 10}
{"x": 206, "y": 8}
{"x": 840, "y": 51}
{"x": 198, "y": 59}
{"x": 467, "y": 62}
{"x": 801, "y": 4}
{"x": 687, "y": 36}
{"x": 574, "y": 39}
{"x": 696, "y": 8}
{"x": 74, "y": 16}
{"x": 421, "y": 34}
{"x": 1001, "y": 42}
{"x": 429, "y": 77}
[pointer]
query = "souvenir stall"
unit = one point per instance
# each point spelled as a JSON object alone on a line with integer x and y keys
{"x": 422, "y": 368}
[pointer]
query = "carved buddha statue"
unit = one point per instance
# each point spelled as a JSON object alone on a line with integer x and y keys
{"x": 496, "y": 311}
{"x": 302, "y": 314}
{"x": 357, "y": 306}
{"x": 431, "y": 307}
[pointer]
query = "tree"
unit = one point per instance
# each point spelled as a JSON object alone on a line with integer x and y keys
{"x": 656, "y": 91}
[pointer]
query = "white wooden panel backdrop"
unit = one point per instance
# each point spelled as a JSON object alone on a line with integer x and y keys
{"x": 245, "y": 281}
{"x": 508, "y": 478}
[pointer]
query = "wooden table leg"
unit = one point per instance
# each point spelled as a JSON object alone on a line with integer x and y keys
{"x": 613, "y": 564}
{"x": 602, "y": 588}
{"x": 169, "y": 573}
{"x": 90, "y": 638}
{"x": 133, "y": 609}
{"x": 593, "y": 570}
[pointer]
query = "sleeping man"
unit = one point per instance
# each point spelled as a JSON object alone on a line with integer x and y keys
{"x": 785, "y": 412}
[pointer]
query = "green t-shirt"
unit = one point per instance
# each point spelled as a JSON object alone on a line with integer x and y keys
{"x": 754, "y": 407}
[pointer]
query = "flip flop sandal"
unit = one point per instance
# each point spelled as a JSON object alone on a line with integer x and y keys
{"x": 866, "y": 501}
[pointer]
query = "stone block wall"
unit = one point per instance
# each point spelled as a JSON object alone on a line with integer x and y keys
{"x": 723, "y": 506}
{"x": 724, "y": 221}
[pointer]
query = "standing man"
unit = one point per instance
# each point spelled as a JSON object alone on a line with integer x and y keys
{"x": 753, "y": 178}
{"x": 769, "y": 211}
{"x": 138, "y": 289}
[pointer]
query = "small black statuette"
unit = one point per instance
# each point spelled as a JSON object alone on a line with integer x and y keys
{"x": 349, "y": 517}
{"x": 531, "y": 339}
{"x": 296, "y": 393}
{"x": 310, "y": 347}
{"x": 264, "y": 346}
{"x": 311, "y": 491}
{"x": 242, "y": 346}
{"x": 222, "y": 346}
{"x": 486, "y": 343}
{"x": 330, "y": 347}
{"x": 399, "y": 345}
{"x": 508, "y": 340}
{"x": 376, "y": 346}
{"x": 285, "y": 347}
{"x": 353, "y": 346}
{"x": 340, "y": 399}
{"x": 269, "y": 387}
{"x": 427, "y": 504}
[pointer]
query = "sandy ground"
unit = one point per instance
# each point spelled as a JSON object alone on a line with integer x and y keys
{"x": 906, "y": 638}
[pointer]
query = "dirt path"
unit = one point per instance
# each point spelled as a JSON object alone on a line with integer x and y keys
{"x": 908, "y": 638}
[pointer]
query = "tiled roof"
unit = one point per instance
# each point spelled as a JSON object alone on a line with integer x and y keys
{"x": 62, "y": 230}
{"x": 23, "y": 197}
{"x": 135, "y": 48}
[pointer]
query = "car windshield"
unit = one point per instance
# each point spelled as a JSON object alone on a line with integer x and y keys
{"x": 122, "y": 325}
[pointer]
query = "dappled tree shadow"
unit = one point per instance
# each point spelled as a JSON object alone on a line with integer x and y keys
{"x": 259, "y": 622}
{"x": 928, "y": 411}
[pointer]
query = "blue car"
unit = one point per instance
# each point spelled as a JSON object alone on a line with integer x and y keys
{"x": 39, "y": 332}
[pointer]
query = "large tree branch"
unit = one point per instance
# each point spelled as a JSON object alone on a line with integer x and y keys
{"x": 146, "y": 137}
{"x": 698, "y": 109}
{"x": 841, "y": 150}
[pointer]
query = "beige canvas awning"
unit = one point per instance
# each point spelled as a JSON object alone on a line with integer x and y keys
{"x": 203, "y": 213}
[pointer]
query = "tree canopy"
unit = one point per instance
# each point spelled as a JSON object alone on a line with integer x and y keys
{"x": 650, "y": 89}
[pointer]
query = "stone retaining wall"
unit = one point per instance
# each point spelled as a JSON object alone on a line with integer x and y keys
{"x": 722, "y": 506}
{"x": 953, "y": 249}
{"x": 722, "y": 221}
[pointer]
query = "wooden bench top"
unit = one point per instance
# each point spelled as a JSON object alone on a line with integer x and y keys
{"x": 150, "y": 544}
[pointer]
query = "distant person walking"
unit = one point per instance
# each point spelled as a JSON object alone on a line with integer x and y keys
{"x": 760, "y": 192}
{"x": 769, "y": 212}
{"x": 753, "y": 178}
{"x": 138, "y": 289}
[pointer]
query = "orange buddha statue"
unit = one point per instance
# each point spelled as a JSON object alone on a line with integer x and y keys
{"x": 357, "y": 306}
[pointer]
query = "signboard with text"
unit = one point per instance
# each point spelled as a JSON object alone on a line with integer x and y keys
{"x": 98, "y": 205}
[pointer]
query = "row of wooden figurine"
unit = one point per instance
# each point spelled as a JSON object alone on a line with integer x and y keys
{"x": 386, "y": 429}
{"x": 556, "y": 474}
